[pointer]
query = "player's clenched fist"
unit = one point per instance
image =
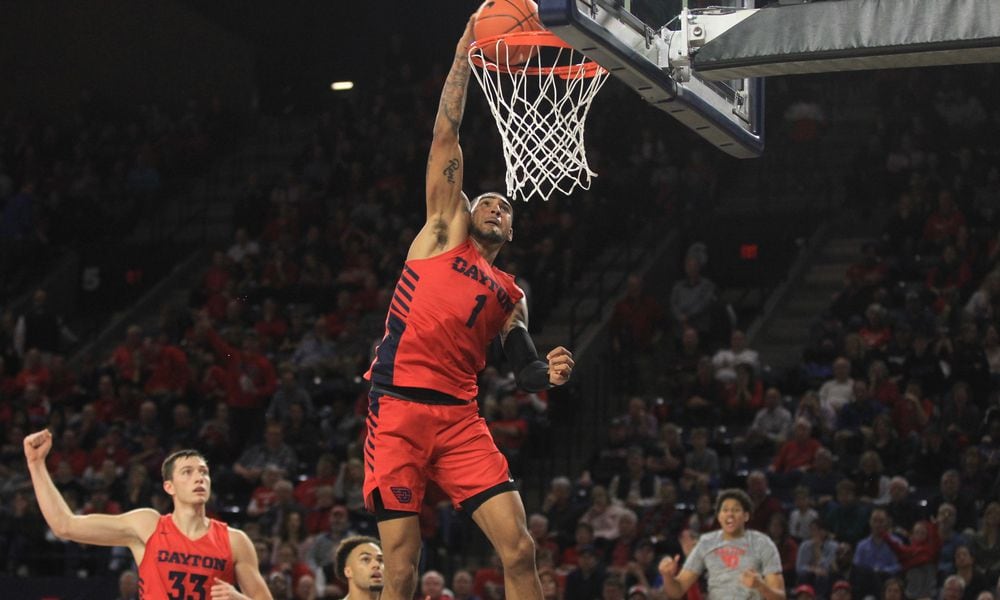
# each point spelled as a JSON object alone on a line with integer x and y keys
{"x": 668, "y": 567}
{"x": 560, "y": 365}
{"x": 37, "y": 446}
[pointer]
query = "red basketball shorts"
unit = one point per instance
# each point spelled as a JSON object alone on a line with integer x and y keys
{"x": 410, "y": 443}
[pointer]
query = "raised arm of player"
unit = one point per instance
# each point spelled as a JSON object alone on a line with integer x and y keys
{"x": 131, "y": 529}
{"x": 532, "y": 373}
{"x": 447, "y": 207}
{"x": 247, "y": 569}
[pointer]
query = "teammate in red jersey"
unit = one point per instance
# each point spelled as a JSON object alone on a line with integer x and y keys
{"x": 423, "y": 422}
{"x": 181, "y": 555}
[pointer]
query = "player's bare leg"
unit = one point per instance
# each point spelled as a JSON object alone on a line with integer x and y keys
{"x": 503, "y": 521}
{"x": 400, "y": 539}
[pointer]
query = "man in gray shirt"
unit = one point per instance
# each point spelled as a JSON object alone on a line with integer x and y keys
{"x": 691, "y": 298}
{"x": 740, "y": 563}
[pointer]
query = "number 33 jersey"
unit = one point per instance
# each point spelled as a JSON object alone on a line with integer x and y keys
{"x": 178, "y": 568}
{"x": 444, "y": 312}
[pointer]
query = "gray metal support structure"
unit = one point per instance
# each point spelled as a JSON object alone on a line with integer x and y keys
{"x": 847, "y": 35}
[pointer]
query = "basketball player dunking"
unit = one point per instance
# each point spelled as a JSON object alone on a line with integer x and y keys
{"x": 423, "y": 421}
{"x": 181, "y": 555}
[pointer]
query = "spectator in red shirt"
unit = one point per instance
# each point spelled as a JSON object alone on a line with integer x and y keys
{"x": 110, "y": 447}
{"x": 33, "y": 371}
{"x": 952, "y": 274}
{"x": 489, "y": 579}
{"x": 912, "y": 412}
{"x": 943, "y": 224}
{"x": 635, "y": 327}
{"x": 250, "y": 379}
{"x": 798, "y": 452}
{"x": 37, "y": 405}
{"x": 107, "y": 406}
{"x": 272, "y": 326}
{"x": 881, "y": 386}
{"x": 764, "y": 502}
{"x": 126, "y": 359}
{"x": 317, "y": 518}
{"x": 212, "y": 382}
{"x": 69, "y": 450}
{"x": 63, "y": 385}
{"x": 101, "y": 503}
{"x": 870, "y": 272}
{"x": 326, "y": 474}
{"x": 264, "y": 495}
{"x": 918, "y": 559}
{"x": 168, "y": 368}
{"x": 584, "y": 537}
{"x": 620, "y": 552}
{"x": 217, "y": 277}
{"x": 875, "y": 333}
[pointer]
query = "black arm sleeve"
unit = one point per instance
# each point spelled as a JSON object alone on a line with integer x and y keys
{"x": 532, "y": 373}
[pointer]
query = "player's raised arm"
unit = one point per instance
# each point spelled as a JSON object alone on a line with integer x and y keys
{"x": 447, "y": 206}
{"x": 129, "y": 529}
{"x": 532, "y": 373}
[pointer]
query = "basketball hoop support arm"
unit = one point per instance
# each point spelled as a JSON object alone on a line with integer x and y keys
{"x": 657, "y": 64}
{"x": 698, "y": 27}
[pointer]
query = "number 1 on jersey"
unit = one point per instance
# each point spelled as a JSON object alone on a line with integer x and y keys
{"x": 480, "y": 303}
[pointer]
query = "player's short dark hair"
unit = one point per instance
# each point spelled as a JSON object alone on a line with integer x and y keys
{"x": 734, "y": 494}
{"x": 167, "y": 468}
{"x": 344, "y": 550}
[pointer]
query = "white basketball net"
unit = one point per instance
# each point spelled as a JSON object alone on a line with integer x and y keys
{"x": 540, "y": 114}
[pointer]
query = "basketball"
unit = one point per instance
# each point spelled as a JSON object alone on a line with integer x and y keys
{"x": 497, "y": 17}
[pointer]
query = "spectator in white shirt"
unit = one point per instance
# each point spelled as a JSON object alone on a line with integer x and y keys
{"x": 725, "y": 360}
{"x": 837, "y": 392}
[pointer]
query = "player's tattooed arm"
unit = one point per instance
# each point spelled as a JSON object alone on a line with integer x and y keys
{"x": 444, "y": 164}
{"x": 446, "y": 208}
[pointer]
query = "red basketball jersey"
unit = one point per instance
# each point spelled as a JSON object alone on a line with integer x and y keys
{"x": 179, "y": 568}
{"x": 445, "y": 311}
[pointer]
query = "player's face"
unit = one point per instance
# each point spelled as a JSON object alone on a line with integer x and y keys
{"x": 191, "y": 482}
{"x": 364, "y": 567}
{"x": 732, "y": 517}
{"x": 492, "y": 220}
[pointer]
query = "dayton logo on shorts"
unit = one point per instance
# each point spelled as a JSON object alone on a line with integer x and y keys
{"x": 730, "y": 556}
{"x": 403, "y": 494}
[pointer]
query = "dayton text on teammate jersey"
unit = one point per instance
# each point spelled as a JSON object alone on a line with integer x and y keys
{"x": 194, "y": 560}
{"x": 472, "y": 271}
